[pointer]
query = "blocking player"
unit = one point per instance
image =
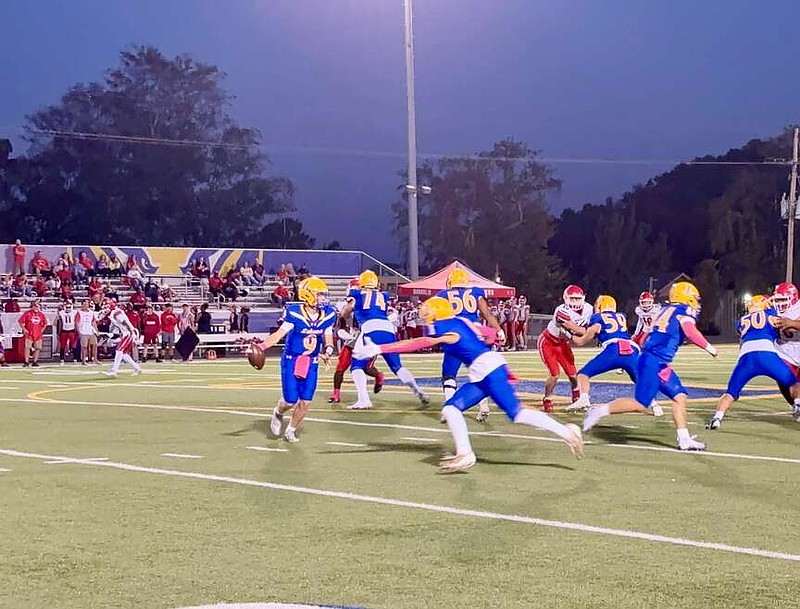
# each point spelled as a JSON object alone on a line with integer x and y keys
{"x": 758, "y": 356}
{"x": 786, "y": 301}
{"x": 308, "y": 328}
{"x": 646, "y": 312}
{"x": 609, "y": 327}
{"x": 468, "y": 303}
{"x": 674, "y": 324}
{"x": 488, "y": 373}
{"x": 128, "y": 336}
{"x": 369, "y": 306}
{"x": 554, "y": 343}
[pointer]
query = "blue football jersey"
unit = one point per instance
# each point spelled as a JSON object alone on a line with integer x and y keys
{"x": 306, "y": 336}
{"x": 469, "y": 346}
{"x": 464, "y": 302}
{"x": 612, "y": 325}
{"x": 758, "y": 326}
{"x": 667, "y": 334}
{"x": 369, "y": 304}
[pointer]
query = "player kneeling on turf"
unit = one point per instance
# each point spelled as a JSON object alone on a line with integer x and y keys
{"x": 758, "y": 356}
{"x": 306, "y": 326}
{"x": 488, "y": 374}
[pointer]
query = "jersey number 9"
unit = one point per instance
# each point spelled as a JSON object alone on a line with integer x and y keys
{"x": 309, "y": 344}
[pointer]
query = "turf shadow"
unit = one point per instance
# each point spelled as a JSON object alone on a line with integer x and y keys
{"x": 622, "y": 435}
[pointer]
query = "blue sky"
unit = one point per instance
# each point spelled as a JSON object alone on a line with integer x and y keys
{"x": 616, "y": 79}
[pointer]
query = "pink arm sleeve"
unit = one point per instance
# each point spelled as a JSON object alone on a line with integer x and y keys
{"x": 693, "y": 334}
{"x": 409, "y": 346}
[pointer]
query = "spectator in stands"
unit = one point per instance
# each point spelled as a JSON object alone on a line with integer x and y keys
{"x": 66, "y": 291}
{"x": 280, "y": 295}
{"x": 282, "y": 274}
{"x": 166, "y": 293}
{"x": 78, "y": 273}
{"x": 233, "y": 319}
{"x": 244, "y": 320}
{"x": 87, "y": 263}
{"x": 215, "y": 285}
{"x": 40, "y": 265}
{"x": 63, "y": 262}
{"x": 11, "y": 306}
{"x": 258, "y": 274}
{"x": 134, "y": 276}
{"x": 204, "y": 320}
{"x": 290, "y": 274}
{"x": 303, "y": 272}
{"x": 94, "y": 289}
{"x": 200, "y": 268}
{"x": 20, "y": 286}
{"x": 40, "y": 287}
{"x": 53, "y": 285}
{"x": 18, "y": 257}
{"x": 109, "y": 291}
{"x": 151, "y": 290}
{"x": 186, "y": 320}
{"x": 102, "y": 266}
{"x": 246, "y": 274}
{"x": 114, "y": 266}
{"x": 138, "y": 300}
{"x": 229, "y": 289}
{"x": 5, "y": 285}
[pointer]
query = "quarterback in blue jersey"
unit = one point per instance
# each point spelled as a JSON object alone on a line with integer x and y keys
{"x": 488, "y": 374}
{"x": 674, "y": 324}
{"x": 308, "y": 329}
{"x": 369, "y": 306}
{"x": 469, "y": 303}
{"x": 619, "y": 351}
{"x": 758, "y": 356}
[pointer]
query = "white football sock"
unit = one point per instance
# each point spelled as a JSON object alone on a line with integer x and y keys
{"x": 719, "y": 414}
{"x": 458, "y": 427}
{"x": 129, "y": 360}
{"x": 537, "y": 418}
{"x": 360, "y": 381}
{"x": 683, "y": 435}
{"x": 117, "y": 362}
{"x": 449, "y": 389}
{"x": 603, "y": 410}
{"x": 405, "y": 376}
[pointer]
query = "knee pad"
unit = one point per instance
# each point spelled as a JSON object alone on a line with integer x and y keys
{"x": 449, "y": 383}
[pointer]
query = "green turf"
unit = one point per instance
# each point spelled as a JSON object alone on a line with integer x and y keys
{"x": 81, "y": 535}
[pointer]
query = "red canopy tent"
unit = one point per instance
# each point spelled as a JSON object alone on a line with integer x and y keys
{"x": 430, "y": 285}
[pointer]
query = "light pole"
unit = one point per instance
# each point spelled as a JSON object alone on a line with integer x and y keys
{"x": 411, "y": 186}
{"x": 792, "y": 208}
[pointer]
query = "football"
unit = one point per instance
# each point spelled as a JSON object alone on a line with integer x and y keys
{"x": 256, "y": 357}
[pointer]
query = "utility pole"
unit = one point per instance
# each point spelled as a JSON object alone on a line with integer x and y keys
{"x": 792, "y": 209}
{"x": 411, "y": 185}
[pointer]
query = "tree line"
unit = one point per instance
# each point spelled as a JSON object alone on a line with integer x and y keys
{"x": 717, "y": 220}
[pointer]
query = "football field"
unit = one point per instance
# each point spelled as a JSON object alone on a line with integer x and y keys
{"x": 166, "y": 490}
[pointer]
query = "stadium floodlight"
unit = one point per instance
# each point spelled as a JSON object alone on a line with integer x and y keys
{"x": 411, "y": 188}
{"x": 747, "y": 297}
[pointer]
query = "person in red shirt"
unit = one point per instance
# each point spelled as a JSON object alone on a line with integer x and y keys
{"x": 86, "y": 263}
{"x": 66, "y": 291}
{"x": 40, "y": 287}
{"x": 11, "y": 306}
{"x": 40, "y": 265}
{"x": 215, "y": 284}
{"x": 138, "y": 300}
{"x": 280, "y": 295}
{"x": 136, "y": 322}
{"x": 169, "y": 320}
{"x": 151, "y": 329}
{"x": 18, "y": 253}
{"x": 33, "y": 323}
{"x": 3, "y": 363}
{"x": 95, "y": 290}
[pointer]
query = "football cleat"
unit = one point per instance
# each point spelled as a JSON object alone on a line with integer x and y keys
{"x": 136, "y": 372}
{"x": 691, "y": 445}
{"x": 796, "y": 413}
{"x": 334, "y": 399}
{"x": 379, "y": 380}
{"x": 657, "y": 410}
{"x": 276, "y": 423}
{"x": 579, "y": 405}
{"x": 576, "y": 443}
{"x": 360, "y": 406}
{"x": 547, "y": 405}
{"x": 290, "y": 437}
{"x": 423, "y": 399}
{"x": 592, "y": 418}
{"x": 483, "y": 413}
{"x": 451, "y": 464}
{"x": 714, "y": 423}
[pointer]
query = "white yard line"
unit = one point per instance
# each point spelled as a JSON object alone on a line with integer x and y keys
{"x": 267, "y": 449}
{"x": 442, "y": 509}
{"x": 181, "y": 456}
{"x": 4, "y": 469}
{"x": 413, "y": 439}
{"x": 349, "y": 444}
{"x": 60, "y": 461}
{"x": 261, "y": 415}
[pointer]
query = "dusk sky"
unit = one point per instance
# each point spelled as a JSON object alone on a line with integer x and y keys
{"x": 324, "y": 81}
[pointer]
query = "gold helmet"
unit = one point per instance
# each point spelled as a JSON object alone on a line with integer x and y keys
{"x": 458, "y": 278}
{"x": 436, "y": 308}
{"x": 686, "y": 293}
{"x": 312, "y": 291}
{"x": 368, "y": 279}
{"x": 605, "y": 303}
{"x": 758, "y": 303}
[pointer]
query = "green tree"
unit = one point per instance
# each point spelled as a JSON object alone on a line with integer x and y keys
{"x": 148, "y": 155}
{"x": 491, "y": 212}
